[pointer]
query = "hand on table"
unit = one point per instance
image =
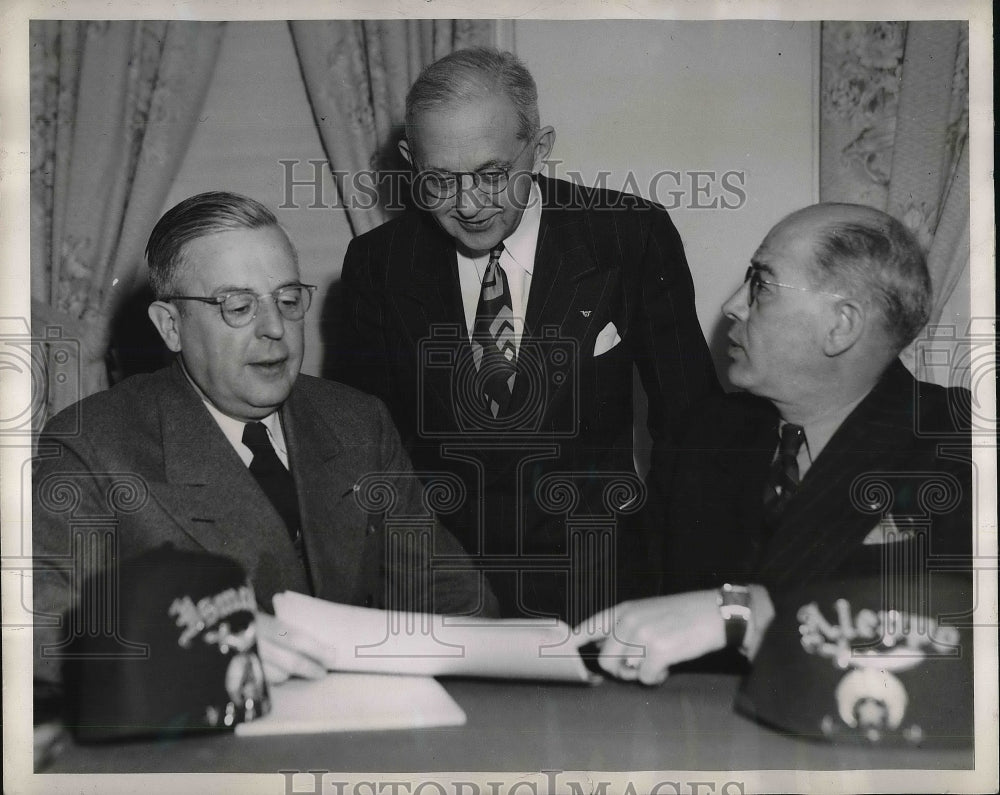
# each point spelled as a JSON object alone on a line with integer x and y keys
{"x": 640, "y": 640}
{"x": 286, "y": 651}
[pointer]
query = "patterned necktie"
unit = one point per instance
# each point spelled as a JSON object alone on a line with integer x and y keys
{"x": 493, "y": 337}
{"x": 276, "y": 481}
{"x": 783, "y": 479}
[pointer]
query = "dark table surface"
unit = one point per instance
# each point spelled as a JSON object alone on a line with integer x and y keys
{"x": 686, "y": 724}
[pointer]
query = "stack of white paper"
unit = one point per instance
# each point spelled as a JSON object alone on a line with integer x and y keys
{"x": 434, "y": 645}
{"x": 355, "y": 702}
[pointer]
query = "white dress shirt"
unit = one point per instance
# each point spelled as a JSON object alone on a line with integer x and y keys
{"x": 233, "y": 430}
{"x": 518, "y": 262}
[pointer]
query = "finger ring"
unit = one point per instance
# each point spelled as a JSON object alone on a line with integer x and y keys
{"x": 631, "y": 663}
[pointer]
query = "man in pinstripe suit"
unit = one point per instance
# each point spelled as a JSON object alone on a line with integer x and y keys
{"x": 878, "y": 484}
{"x": 594, "y": 284}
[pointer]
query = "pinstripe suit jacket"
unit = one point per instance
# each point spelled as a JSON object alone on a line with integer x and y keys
{"x": 902, "y": 455}
{"x": 146, "y": 462}
{"x": 601, "y": 258}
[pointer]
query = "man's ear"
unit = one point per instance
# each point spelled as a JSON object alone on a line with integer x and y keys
{"x": 404, "y": 150}
{"x": 165, "y": 317}
{"x": 850, "y": 320}
{"x": 543, "y": 147}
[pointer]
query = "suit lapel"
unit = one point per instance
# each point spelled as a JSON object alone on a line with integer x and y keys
{"x": 758, "y": 448}
{"x": 424, "y": 293}
{"x": 423, "y": 284}
{"x": 822, "y": 524}
{"x": 567, "y": 285}
{"x": 326, "y": 500}
{"x": 564, "y": 271}
{"x": 209, "y": 492}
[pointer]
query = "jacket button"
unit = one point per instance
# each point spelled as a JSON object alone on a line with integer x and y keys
{"x": 369, "y": 600}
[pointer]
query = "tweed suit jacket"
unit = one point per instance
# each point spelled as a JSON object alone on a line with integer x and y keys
{"x": 147, "y": 460}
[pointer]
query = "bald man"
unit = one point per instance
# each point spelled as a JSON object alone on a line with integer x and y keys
{"x": 832, "y": 466}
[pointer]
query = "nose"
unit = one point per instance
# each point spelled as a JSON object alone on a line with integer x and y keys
{"x": 269, "y": 322}
{"x": 737, "y": 306}
{"x": 470, "y": 199}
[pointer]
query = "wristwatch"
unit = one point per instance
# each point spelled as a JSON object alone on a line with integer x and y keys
{"x": 734, "y": 607}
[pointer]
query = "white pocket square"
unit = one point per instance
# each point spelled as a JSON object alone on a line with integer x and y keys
{"x": 887, "y": 532}
{"x": 607, "y": 339}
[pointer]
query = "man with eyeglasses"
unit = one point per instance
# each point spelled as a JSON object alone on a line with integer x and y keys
{"x": 231, "y": 450}
{"x": 501, "y": 321}
{"x": 834, "y": 472}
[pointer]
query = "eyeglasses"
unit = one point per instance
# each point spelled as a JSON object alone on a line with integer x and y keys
{"x": 445, "y": 184}
{"x": 240, "y": 308}
{"x": 757, "y": 281}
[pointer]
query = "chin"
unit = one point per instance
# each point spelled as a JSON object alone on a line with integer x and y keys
{"x": 738, "y": 376}
{"x": 477, "y": 241}
{"x": 269, "y": 398}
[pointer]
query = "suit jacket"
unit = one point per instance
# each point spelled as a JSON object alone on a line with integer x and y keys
{"x": 901, "y": 458}
{"x": 150, "y": 465}
{"x": 602, "y": 258}
{"x": 880, "y": 525}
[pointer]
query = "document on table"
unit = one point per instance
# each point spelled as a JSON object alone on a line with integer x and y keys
{"x": 355, "y": 702}
{"x": 379, "y": 641}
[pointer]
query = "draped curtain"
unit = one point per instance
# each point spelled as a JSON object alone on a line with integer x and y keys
{"x": 113, "y": 107}
{"x": 356, "y": 74}
{"x": 893, "y": 134}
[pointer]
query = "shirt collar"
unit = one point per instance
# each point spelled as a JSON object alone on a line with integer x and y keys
{"x": 232, "y": 428}
{"x": 521, "y": 243}
{"x": 818, "y": 432}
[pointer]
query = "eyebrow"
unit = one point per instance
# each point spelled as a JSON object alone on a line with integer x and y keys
{"x": 234, "y": 288}
{"x": 489, "y": 164}
{"x": 763, "y": 267}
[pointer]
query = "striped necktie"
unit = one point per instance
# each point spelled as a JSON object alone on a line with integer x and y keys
{"x": 783, "y": 479}
{"x": 493, "y": 338}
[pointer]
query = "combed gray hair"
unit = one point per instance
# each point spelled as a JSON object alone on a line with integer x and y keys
{"x": 867, "y": 253}
{"x": 198, "y": 216}
{"x": 468, "y": 75}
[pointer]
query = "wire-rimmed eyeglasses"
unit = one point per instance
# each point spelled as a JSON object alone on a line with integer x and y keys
{"x": 240, "y": 308}
{"x": 446, "y": 184}
{"x": 756, "y": 280}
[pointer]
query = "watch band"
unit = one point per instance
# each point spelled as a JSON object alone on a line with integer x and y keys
{"x": 734, "y": 607}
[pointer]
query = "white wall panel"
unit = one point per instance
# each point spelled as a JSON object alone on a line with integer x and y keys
{"x": 639, "y": 98}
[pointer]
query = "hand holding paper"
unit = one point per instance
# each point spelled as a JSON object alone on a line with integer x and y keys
{"x": 377, "y": 641}
{"x": 286, "y": 651}
{"x": 640, "y": 640}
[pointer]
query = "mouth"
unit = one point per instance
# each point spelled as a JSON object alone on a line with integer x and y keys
{"x": 734, "y": 346}
{"x": 475, "y": 226}
{"x": 270, "y": 366}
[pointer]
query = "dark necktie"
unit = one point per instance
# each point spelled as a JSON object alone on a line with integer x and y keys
{"x": 493, "y": 337}
{"x": 273, "y": 478}
{"x": 783, "y": 479}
